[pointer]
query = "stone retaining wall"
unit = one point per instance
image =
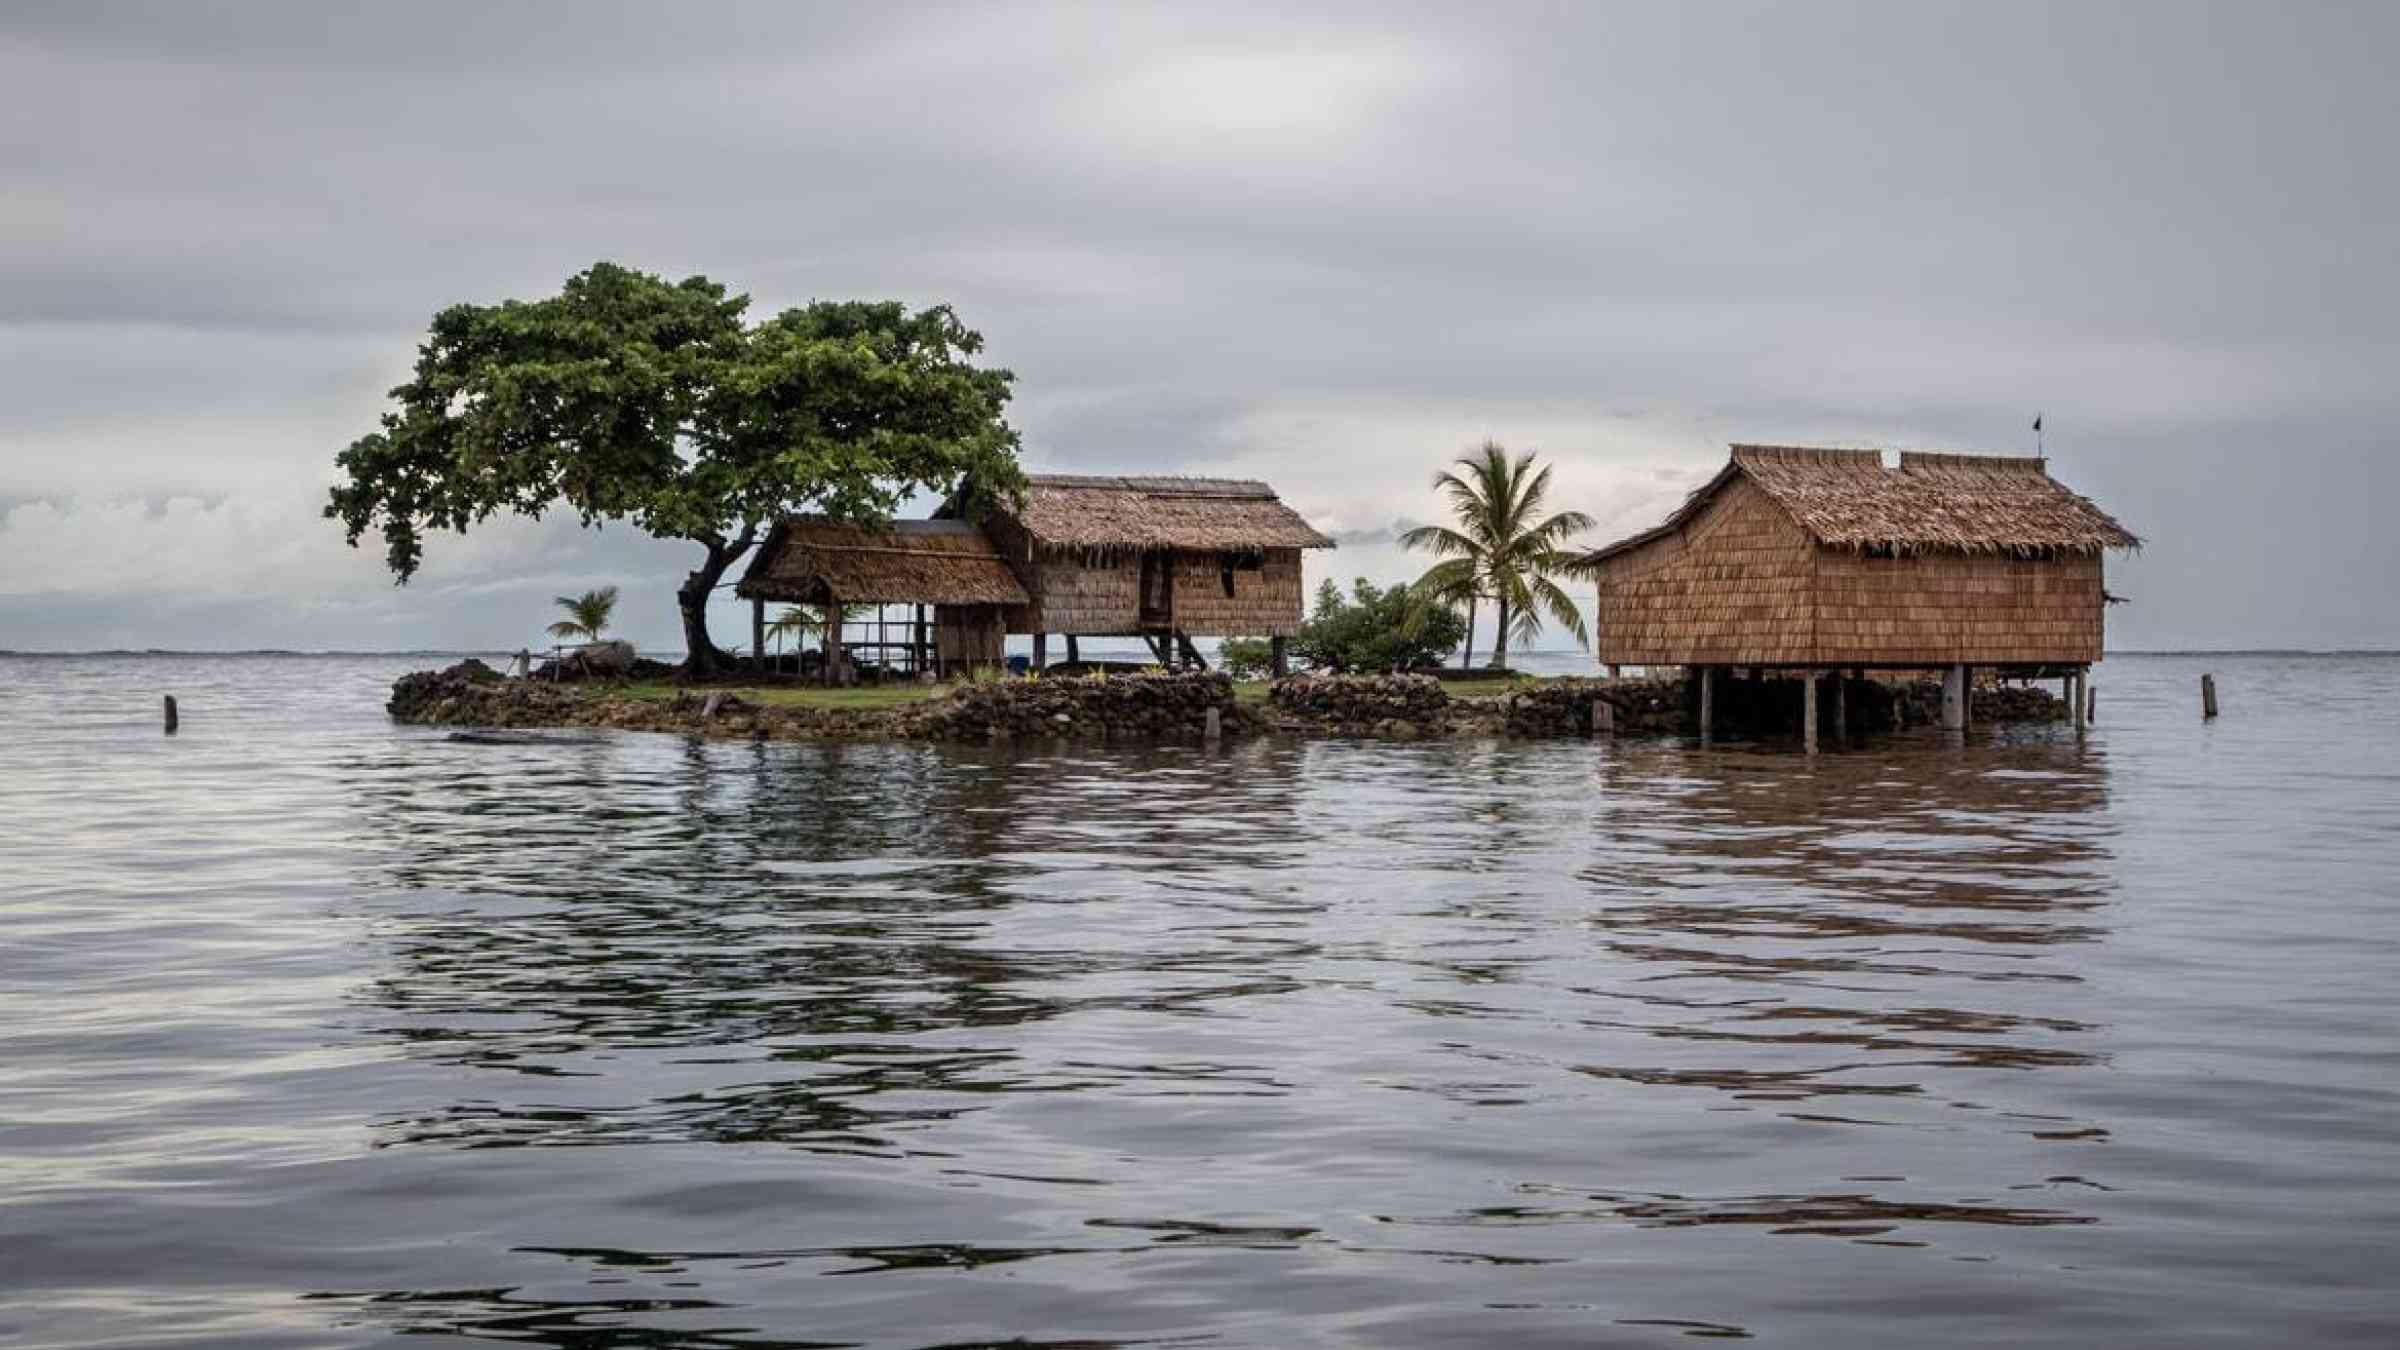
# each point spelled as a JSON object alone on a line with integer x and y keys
{"x": 1564, "y": 707}
{"x": 1164, "y": 706}
{"x": 1362, "y": 705}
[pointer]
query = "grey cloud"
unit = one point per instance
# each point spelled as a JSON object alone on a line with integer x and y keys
{"x": 1331, "y": 248}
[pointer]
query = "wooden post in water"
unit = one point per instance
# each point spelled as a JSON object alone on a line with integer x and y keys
{"x": 1708, "y": 703}
{"x": 172, "y": 719}
{"x": 1841, "y": 707}
{"x": 1604, "y": 717}
{"x": 1808, "y": 710}
{"x": 2091, "y": 702}
{"x": 1954, "y": 699}
{"x": 2208, "y": 697}
{"x": 1213, "y": 725}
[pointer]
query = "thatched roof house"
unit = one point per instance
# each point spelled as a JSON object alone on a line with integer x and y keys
{"x": 1813, "y": 558}
{"x": 1154, "y": 557}
{"x": 946, "y": 564}
{"x": 1163, "y": 559}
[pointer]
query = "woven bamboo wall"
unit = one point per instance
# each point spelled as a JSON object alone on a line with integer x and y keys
{"x": 967, "y": 634}
{"x": 1265, "y": 601}
{"x": 1731, "y": 589}
{"x": 1942, "y": 608}
{"x": 1077, "y": 593}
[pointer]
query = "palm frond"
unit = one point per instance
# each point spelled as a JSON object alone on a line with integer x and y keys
{"x": 1441, "y": 541}
{"x": 1562, "y": 608}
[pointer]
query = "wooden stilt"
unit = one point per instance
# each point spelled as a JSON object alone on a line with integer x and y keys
{"x": 2091, "y": 703}
{"x": 1041, "y": 651}
{"x": 1841, "y": 708}
{"x": 1808, "y": 710}
{"x": 2208, "y": 697}
{"x": 831, "y": 674}
{"x": 1708, "y": 702}
{"x": 1074, "y": 652}
{"x": 1604, "y": 717}
{"x": 1954, "y": 699}
{"x": 1191, "y": 654}
{"x": 920, "y": 657}
{"x": 173, "y": 720}
{"x": 1279, "y": 662}
{"x": 758, "y": 636}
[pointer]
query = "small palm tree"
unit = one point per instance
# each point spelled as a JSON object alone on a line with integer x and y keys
{"x": 587, "y": 614}
{"x": 1503, "y": 549}
{"x": 798, "y": 621}
{"x": 795, "y": 622}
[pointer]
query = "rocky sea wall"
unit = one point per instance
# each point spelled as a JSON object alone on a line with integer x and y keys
{"x": 1176, "y": 706}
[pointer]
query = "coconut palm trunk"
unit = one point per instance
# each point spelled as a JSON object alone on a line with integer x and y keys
{"x": 1500, "y": 640}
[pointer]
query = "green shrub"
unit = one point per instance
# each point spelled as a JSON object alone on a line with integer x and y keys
{"x": 1245, "y": 658}
{"x": 1376, "y": 629}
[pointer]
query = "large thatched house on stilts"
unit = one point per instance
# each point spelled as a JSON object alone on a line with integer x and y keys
{"x": 1162, "y": 559}
{"x": 1815, "y": 561}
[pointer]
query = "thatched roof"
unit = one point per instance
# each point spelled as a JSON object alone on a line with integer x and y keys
{"x": 1076, "y": 511}
{"x": 810, "y": 560}
{"x": 1930, "y": 503}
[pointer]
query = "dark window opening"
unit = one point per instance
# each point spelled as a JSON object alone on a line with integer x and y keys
{"x": 1242, "y": 560}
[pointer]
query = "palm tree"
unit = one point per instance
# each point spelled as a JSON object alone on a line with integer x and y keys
{"x": 1503, "y": 549}
{"x": 798, "y": 621}
{"x": 587, "y": 614}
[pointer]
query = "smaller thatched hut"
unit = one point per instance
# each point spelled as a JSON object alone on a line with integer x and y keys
{"x": 1814, "y": 560}
{"x": 1162, "y": 559}
{"x": 948, "y": 566}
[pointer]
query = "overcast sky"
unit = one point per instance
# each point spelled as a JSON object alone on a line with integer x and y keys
{"x": 1330, "y": 250}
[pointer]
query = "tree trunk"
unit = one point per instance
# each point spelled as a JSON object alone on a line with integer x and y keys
{"x": 1500, "y": 639}
{"x": 700, "y": 652}
{"x": 1466, "y": 657}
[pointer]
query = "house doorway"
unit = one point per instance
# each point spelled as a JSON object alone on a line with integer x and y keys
{"x": 1158, "y": 590}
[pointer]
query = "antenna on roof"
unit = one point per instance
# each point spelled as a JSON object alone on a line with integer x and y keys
{"x": 2037, "y": 436}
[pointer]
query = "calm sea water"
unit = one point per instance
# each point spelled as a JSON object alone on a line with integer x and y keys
{"x": 319, "y": 1031}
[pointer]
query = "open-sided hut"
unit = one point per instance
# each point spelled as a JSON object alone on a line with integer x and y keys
{"x": 947, "y": 566}
{"x": 1814, "y": 560}
{"x": 1162, "y": 559}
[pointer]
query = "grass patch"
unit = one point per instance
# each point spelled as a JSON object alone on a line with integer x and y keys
{"x": 861, "y": 698}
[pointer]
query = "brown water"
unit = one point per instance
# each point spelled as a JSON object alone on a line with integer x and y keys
{"x": 320, "y": 1031}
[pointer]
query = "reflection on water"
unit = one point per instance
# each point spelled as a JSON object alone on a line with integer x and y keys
{"x": 1276, "y": 1044}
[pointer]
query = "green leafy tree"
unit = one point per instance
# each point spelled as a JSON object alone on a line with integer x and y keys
{"x": 629, "y": 397}
{"x": 587, "y": 614}
{"x": 1375, "y": 629}
{"x": 1502, "y": 549}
